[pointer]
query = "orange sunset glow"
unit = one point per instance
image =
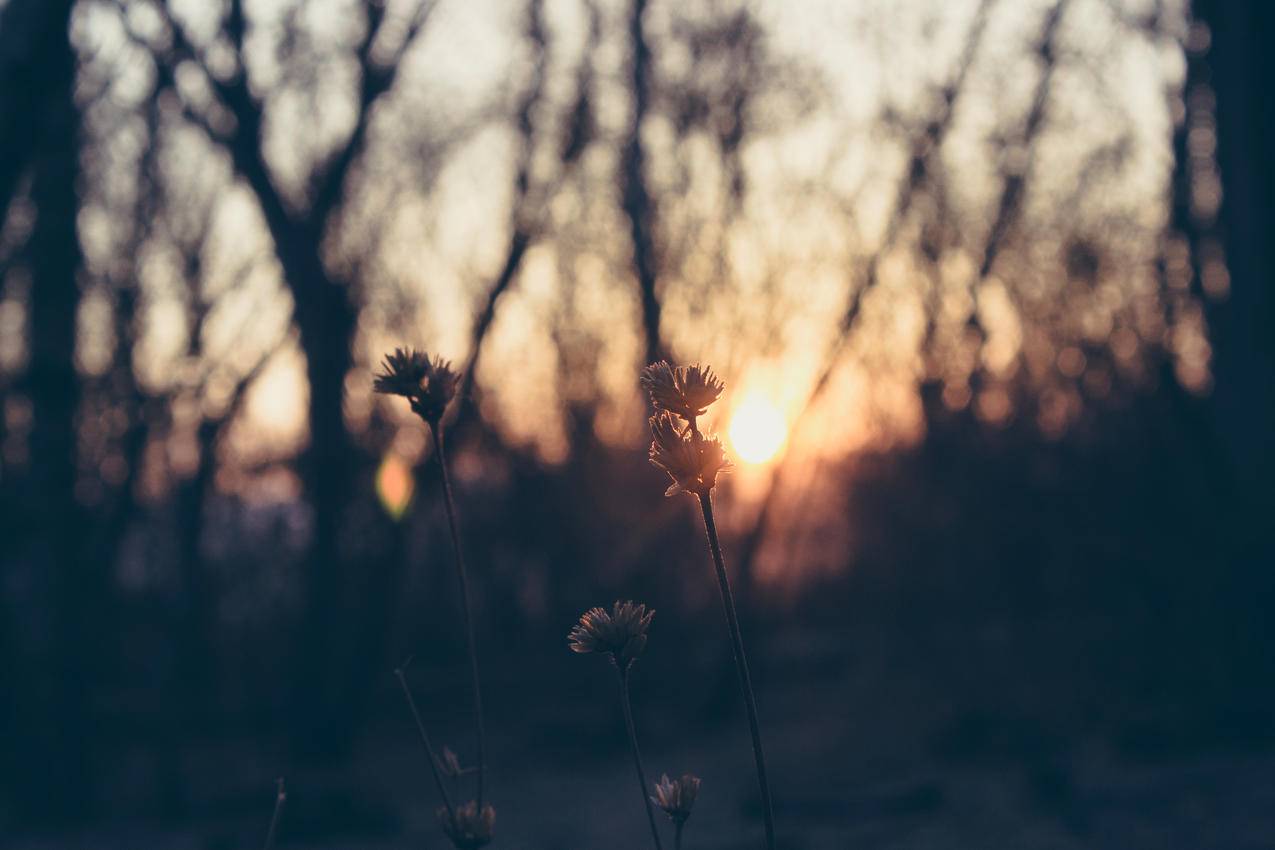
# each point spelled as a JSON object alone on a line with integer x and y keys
{"x": 757, "y": 430}
{"x": 484, "y": 423}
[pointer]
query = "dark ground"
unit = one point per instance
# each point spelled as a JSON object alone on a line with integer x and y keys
{"x": 1045, "y": 768}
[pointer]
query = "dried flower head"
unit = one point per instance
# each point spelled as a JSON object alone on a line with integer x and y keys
{"x": 692, "y": 460}
{"x": 468, "y": 829}
{"x": 620, "y": 633}
{"x": 685, "y": 391}
{"x": 428, "y": 384}
{"x": 676, "y": 797}
{"x": 404, "y": 372}
{"x": 449, "y": 764}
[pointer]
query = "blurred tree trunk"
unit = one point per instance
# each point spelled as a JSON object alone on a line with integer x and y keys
{"x": 326, "y": 317}
{"x": 1240, "y": 61}
{"x": 52, "y": 770}
{"x": 1243, "y": 342}
{"x": 196, "y": 673}
{"x": 327, "y": 324}
{"x": 639, "y": 207}
{"x": 326, "y": 320}
{"x": 27, "y": 29}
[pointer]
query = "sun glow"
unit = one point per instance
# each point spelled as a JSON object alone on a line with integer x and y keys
{"x": 757, "y": 429}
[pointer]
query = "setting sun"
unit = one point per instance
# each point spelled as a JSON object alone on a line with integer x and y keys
{"x": 757, "y": 430}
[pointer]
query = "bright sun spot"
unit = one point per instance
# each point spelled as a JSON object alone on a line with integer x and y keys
{"x": 757, "y": 430}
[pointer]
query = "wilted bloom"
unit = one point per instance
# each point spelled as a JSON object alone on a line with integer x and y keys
{"x": 620, "y": 633}
{"x": 676, "y": 797}
{"x": 685, "y": 391}
{"x": 403, "y": 373}
{"x": 691, "y": 459}
{"x": 428, "y": 384}
{"x": 449, "y": 764}
{"x": 468, "y": 829}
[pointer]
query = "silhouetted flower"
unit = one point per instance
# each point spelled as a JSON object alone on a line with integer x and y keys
{"x": 468, "y": 829}
{"x": 620, "y": 633}
{"x": 692, "y": 460}
{"x": 676, "y": 797}
{"x": 684, "y": 391}
{"x": 428, "y": 384}
{"x": 404, "y": 372}
{"x": 449, "y": 764}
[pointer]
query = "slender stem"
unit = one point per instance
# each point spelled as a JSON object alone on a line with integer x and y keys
{"x": 462, "y": 578}
{"x": 637, "y": 756}
{"x": 677, "y": 834}
{"x": 429, "y": 747}
{"x": 741, "y": 665}
{"x": 281, "y": 797}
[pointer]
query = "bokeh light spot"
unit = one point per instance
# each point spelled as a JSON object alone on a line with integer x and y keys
{"x": 394, "y": 485}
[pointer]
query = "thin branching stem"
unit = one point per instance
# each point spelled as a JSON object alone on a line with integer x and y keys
{"x": 281, "y": 797}
{"x": 462, "y": 578}
{"x": 741, "y": 665}
{"x": 429, "y": 747}
{"x": 637, "y": 755}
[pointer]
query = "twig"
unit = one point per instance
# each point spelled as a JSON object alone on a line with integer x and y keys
{"x": 281, "y": 797}
{"x": 637, "y": 755}
{"x": 429, "y": 747}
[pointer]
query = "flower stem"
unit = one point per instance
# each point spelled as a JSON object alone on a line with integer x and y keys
{"x": 741, "y": 665}
{"x": 429, "y": 747}
{"x": 637, "y": 755}
{"x": 281, "y": 797}
{"x": 462, "y": 578}
{"x": 677, "y": 835}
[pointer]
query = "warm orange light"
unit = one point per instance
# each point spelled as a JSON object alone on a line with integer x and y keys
{"x": 757, "y": 429}
{"x": 395, "y": 485}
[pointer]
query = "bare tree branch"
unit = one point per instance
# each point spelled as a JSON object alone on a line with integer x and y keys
{"x": 529, "y": 200}
{"x": 924, "y": 147}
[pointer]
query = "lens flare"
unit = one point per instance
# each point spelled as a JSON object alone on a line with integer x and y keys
{"x": 757, "y": 429}
{"x": 395, "y": 485}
